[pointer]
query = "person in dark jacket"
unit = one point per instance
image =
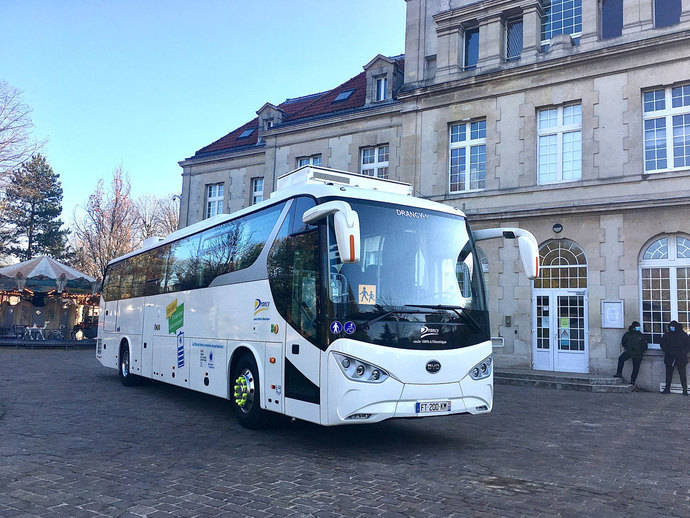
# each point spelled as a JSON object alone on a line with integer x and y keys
{"x": 675, "y": 344}
{"x": 634, "y": 345}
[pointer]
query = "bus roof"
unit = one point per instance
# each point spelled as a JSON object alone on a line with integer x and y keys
{"x": 319, "y": 182}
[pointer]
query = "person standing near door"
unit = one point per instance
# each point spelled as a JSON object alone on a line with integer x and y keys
{"x": 675, "y": 344}
{"x": 634, "y": 345}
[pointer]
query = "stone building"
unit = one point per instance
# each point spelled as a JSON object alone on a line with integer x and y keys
{"x": 570, "y": 118}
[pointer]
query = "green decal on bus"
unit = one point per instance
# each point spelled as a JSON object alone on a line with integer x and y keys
{"x": 176, "y": 319}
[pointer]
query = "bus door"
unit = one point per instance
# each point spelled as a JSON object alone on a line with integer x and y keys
{"x": 111, "y": 294}
{"x": 110, "y": 316}
{"x": 147, "y": 338}
{"x": 302, "y": 387}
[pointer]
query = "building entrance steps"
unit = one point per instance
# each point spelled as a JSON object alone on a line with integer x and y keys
{"x": 561, "y": 380}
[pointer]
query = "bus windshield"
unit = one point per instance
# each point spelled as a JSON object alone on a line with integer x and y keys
{"x": 418, "y": 283}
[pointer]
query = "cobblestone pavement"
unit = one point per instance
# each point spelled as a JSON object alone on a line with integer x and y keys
{"x": 75, "y": 442}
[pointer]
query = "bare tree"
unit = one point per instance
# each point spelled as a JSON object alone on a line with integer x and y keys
{"x": 16, "y": 144}
{"x": 146, "y": 216}
{"x": 105, "y": 229}
{"x": 155, "y": 216}
{"x": 169, "y": 213}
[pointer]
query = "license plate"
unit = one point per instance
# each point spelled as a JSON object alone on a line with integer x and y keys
{"x": 431, "y": 407}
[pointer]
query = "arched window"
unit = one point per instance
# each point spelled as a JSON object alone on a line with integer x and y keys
{"x": 563, "y": 265}
{"x": 665, "y": 284}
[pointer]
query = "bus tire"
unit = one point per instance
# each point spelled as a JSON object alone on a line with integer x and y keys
{"x": 245, "y": 395}
{"x": 126, "y": 377}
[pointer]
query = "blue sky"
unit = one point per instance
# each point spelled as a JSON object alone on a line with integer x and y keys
{"x": 144, "y": 84}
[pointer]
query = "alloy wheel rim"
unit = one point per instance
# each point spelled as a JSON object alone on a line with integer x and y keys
{"x": 125, "y": 363}
{"x": 244, "y": 391}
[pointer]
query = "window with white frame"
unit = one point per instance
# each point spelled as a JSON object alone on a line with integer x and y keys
{"x": 215, "y": 194}
{"x": 666, "y": 113}
{"x": 559, "y": 145}
{"x": 467, "y": 154}
{"x": 375, "y": 161}
{"x": 381, "y": 88}
{"x": 665, "y": 285}
{"x": 257, "y": 190}
{"x": 561, "y": 17}
{"x": 309, "y": 160}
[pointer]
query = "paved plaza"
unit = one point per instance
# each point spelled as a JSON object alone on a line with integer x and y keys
{"x": 75, "y": 442}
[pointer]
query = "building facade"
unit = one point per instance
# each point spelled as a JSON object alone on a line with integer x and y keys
{"x": 570, "y": 118}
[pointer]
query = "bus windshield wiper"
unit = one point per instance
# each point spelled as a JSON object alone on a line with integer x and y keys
{"x": 459, "y": 311}
{"x": 385, "y": 314}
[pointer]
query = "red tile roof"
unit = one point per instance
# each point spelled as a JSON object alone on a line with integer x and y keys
{"x": 232, "y": 140}
{"x": 299, "y": 108}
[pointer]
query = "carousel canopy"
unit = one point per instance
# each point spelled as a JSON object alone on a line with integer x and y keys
{"x": 41, "y": 269}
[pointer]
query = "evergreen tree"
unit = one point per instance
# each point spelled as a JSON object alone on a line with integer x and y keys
{"x": 30, "y": 218}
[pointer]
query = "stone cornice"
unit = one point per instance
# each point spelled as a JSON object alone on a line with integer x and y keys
{"x": 547, "y": 64}
{"x": 584, "y": 207}
{"x": 247, "y": 152}
{"x": 385, "y": 109}
{"x": 451, "y": 20}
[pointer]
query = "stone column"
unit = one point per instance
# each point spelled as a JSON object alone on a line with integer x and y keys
{"x": 638, "y": 16}
{"x": 448, "y": 57}
{"x": 685, "y": 11}
{"x": 490, "y": 42}
{"x": 646, "y": 14}
{"x": 590, "y": 25}
{"x": 414, "y": 40}
{"x": 531, "y": 32}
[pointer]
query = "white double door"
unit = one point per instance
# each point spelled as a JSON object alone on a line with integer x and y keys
{"x": 561, "y": 330}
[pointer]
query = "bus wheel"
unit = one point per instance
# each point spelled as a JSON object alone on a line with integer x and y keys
{"x": 245, "y": 395}
{"x": 126, "y": 377}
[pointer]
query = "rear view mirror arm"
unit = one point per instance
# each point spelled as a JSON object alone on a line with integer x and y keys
{"x": 346, "y": 223}
{"x": 529, "y": 249}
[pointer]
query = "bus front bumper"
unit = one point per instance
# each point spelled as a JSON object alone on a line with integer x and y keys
{"x": 356, "y": 402}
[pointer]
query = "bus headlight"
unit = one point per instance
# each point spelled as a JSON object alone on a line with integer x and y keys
{"x": 358, "y": 370}
{"x": 482, "y": 369}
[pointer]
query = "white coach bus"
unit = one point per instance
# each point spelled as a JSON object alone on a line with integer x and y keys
{"x": 341, "y": 299}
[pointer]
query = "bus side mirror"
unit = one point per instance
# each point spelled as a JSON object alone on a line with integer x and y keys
{"x": 346, "y": 222}
{"x": 527, "y": 244}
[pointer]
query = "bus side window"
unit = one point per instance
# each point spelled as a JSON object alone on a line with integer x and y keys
{"x": 138, "y": 268}
{"x": 155, "y": 270}
{"x": 293, "y": 270}
{"x": 126, "y": 279}
{"x": 182, "y": 265}
{"x": 235, "y": 245}
{"x": 111, "y": 284}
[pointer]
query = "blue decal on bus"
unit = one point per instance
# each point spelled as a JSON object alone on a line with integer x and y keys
{"x": 349, "y": 327}
{"x": 336, "y": 327}
{"x": 180, "y": 349}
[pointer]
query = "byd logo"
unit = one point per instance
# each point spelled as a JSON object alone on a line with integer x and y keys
{"x": 433, "y": 366}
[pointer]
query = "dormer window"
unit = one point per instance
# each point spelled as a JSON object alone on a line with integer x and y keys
{"x": 381, "y": 88}
{"x": 246, "y": 133}
{"x": 268, "y": 124}
{"x": 342, "y": 96}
